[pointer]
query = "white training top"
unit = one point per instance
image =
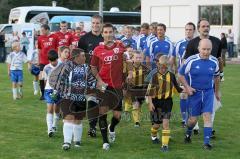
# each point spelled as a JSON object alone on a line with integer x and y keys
{"x": 16, "y": 60}
{"x": 33, "y": 56}
{"x": 47, "y": 70}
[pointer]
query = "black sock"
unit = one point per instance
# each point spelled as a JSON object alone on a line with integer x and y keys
{"x": 42, "y": 85}
{"x": 93, "y": 114}
{"x": 114, "y": 122}
{"x": 93, "y": 123}
{"x": 103, "y": 127}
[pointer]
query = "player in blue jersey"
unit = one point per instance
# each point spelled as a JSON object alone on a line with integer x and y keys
{"x": 203, "y": 27}
{"x": 203, "y": 72}
{"x": 151, "y": 36}
{"x": 160, "y": 44}
{"x": 178, "y": 53}
{"x": 144, "y": 34}
{"x": 128, "y": 38}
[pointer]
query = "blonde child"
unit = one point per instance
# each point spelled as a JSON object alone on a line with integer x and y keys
{"x": 15, "y": 61}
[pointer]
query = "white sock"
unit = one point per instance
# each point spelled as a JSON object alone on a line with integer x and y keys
{"x": 213, "y": 117}
{"x": 77, "y": 132}
{"x": 55, "y": 119}
{"x": 196, "y": 127}
{"x": 67, "y": 132}
{"x": 20, "y": 91}
{"x": 49, "y": 119}
{"x": 35, "y": 85}
{"x": 14, "y": 90}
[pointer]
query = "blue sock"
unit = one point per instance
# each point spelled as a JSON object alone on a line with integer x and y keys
{"x": 189, "y": 130}
{"x": 183, "y": 107}
{"x": 207, "y": 132}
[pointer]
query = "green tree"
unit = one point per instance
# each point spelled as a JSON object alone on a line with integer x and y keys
{"x": 123, "y": 5}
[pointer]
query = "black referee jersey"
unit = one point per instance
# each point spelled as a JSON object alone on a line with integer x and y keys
{"x": 192, "y": 47}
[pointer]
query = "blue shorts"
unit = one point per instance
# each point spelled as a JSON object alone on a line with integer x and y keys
{"x": 201, "y": 102}
{"x": 16, "y": 76}
{"x": 47, "y": 97}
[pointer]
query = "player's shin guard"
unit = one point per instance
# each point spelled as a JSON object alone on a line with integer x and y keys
{"x": 35, "y": 86}
{"x": 127, "y": 104}
{"x": 207, "y": 132}
{"x": 20, "y": 92}
{"x": 103, "y": 127}
{"x": 165, "y": 137}
{"x": 55, "y": 120}
{"x": 183, "y": 107}
{"x": 136, "y": 115}
{"x": 114, "y": 122}
{"x": 213, "y": 116}
{"x": 189, "y": 130}
{"x": 14, "y": 91}
{"x": 42, "y": 85}
{"x": 67, "y": 132}
{"x": 77, "y": 132}
{"x": 154, "y": 132}
{"x": 93, "y": 123}
{"x": 196, "y": 127}
{"x": 49, "y": 120}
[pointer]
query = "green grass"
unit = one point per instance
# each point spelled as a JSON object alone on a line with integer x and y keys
{"x": 23, "y": 129}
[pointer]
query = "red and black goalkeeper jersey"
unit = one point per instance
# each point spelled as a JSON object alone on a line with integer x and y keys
{"x": 109, "y": 62}
{"x": 45, "y": 44}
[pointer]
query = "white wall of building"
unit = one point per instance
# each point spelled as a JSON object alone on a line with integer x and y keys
{"x": 176, "y": 13}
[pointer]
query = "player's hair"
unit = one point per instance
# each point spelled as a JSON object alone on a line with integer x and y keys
{"x": 145, "y": 26}
{"x": 15, "y": 44}
{"x": 78, "y": 28}
{"x": 137, "y": 52}
{"x": 107, "y": 25}
{"x": 52, "y": 55}
{"x": 202, "y": 19}
{"x": 138, "y": 29}
{"x": 154, "y": 24}
{"x": 157, "y": 56}
{"x": 98, "y": 17}
{"x": 81, "y": 23}
{"x": 45, "y": 26}
{"x": 76, "y": 52}
{"x": 163, "y": 60}
{"x": 192, "y": 24}
{"x": 162, "y": 25}
{"x": 61, "y": 48}
{"x": 129, "y": 28}
{"x": 63, "y": 22}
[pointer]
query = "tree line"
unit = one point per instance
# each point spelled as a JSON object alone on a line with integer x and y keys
{"x": 123, "y": 5}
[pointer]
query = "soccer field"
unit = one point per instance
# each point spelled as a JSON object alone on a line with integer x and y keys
{"x": 23, "y": 129}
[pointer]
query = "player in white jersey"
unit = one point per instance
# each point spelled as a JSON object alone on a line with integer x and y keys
{"x": 34, "y": 67}
{"x": 15, "y": 61}
{"x": 64, "y": 54}
{"x": 52, "y": 116}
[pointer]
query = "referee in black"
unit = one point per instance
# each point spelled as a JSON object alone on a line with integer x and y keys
{"x": 203, "y": 27}
{"x": 88, "y": 42}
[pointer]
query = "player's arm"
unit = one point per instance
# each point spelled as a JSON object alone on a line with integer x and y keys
{"x": 8, "y": 69}
{"x": 175, "y": 83}
{"x": 151, "y": 90}
{"x": 9, "y": 61}
{"x": 181, "y": 77}
{"x": 217, "y": 82}
{"x": 189, "y": 49}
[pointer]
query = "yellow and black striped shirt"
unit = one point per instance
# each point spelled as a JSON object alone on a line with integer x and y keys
{"x": 138, "y": 86}
{"x": 162, "y": 85}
